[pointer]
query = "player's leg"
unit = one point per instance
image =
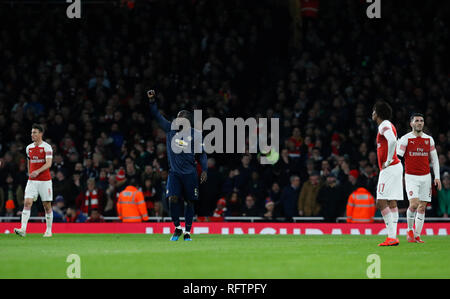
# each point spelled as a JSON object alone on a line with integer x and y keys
{"x": 48, "y": 217}
{"x": 45, "y": 191}
{"x": 424, "y": 199}
{"x": 26, "y": 212}
{"x": 420, "y": 220}
{"x": 188, "y": 218}
{"x": 31, "y": 194}
{"x": 190, "y": 184}
{"x": 174, "y": 204}
{"x": 383, "y": 206}
{"x": 173, "y": 193}
{"x": 394, "y": 216}
{"x": 412, "y": 191}
{"x": 390, "y": 188}
{"x": 411, "y": 218}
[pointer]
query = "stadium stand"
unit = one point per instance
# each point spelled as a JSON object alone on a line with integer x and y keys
{"x": 85, "y": 81}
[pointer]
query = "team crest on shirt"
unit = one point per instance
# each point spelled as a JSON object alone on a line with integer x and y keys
{"x": 41, "y": 150}
{"x": 196, "y": 192}
{"x": 426, "y": 141}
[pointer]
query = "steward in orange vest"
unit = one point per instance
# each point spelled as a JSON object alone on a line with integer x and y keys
{"x": 131, "y": 205}
{"x": 360, "y": 206}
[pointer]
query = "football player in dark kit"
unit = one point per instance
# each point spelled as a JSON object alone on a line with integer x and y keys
{"x": 182, "y": 146}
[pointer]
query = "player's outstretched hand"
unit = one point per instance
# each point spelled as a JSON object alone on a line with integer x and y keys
{"x": 151, "y": 95}
{"x": 203, "y": 177}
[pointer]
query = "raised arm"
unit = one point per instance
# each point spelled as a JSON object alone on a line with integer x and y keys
{"x": 162, "y": 121}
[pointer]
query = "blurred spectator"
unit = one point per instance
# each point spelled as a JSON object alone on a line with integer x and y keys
{"x": 285, "y": 168}
{"x": 91, "y": 198}
{"x": 210, "y": 191}
{"x": 111, "y": 195}
{"x": 289, "y": 197}
{"x": 131, "y": 205}
{"x": 219, "y": 211}
{"x": 234, "y": 205}
{"x": 10, "y": 208}
{"x": 95, "y": 216}
{"x": 11, "y": 196}
{"x": 151, "y": 198}
{"x": 93, "y": 106}
{"x": 250, "y": 209}
{"x": 150, "y": 173}
{"x": 229, "y": 185}
{"x": 73, "y": 215}
{"x": 275, "y": 197}
{"x": 331, "y": 199}
{"x": 244, "y": 175}
{"x": 121, "y": 180}
{"x": 270, "y": 213}
{"x": 157, "y": 210}
{"x": 102, "y": 182}
{"x": 255, "y": 187}
{"x": 360, "y": 207}
{"x": 61, "y": 186}
{"x": 75, "y": 187}
{"x": 59, "y": 208}
{"x": 307, "y": 201}
{"x": 351, "y": 183}
{"x": 444, "y": 196}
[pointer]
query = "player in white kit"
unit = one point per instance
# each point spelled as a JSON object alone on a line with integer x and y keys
{"x": 390, "y": 179}
{"x": 418, "y": 149}
{"x": 39, "y": 155}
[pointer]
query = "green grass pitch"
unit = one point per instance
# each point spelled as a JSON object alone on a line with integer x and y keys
{"x": 220, "y": 256}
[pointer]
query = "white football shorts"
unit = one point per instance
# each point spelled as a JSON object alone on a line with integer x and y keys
{"x": 390, "y": 183}
{"x": 418, "y": 186}
{"x": 42, "y": 188}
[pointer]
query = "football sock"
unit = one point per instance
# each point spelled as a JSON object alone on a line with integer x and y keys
{"x": 25, "y": 217}
{"x": 394, "y": 213}
{"x": 189, "y": 216}
{"x": 386, "y": 213}
{"x": 410, "y": 218}
{"x": 49, "y": 221}
{"x": 175, "y": 213}
{"x": 420, "y": 219}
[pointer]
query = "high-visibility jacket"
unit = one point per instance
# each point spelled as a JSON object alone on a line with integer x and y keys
{"x": 131, "y": 205}
{"x": 360, "y": 206}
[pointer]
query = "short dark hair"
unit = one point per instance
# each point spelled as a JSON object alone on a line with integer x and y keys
{"x": 414, "y": 115}
{"x": 383, "y": 110}
{"x": 38, "y": 127}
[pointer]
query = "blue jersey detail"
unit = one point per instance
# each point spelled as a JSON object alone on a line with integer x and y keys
{"x": 181, "y": 162}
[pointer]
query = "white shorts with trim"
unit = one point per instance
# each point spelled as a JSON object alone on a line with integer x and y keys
{"x": 41, "y": 188}
{"x": 390, "y": 183}
{"x": 418, "y": 186}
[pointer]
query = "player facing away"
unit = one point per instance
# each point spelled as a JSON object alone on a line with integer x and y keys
{"x": 182, "y": 180}
{"x": 418, "y": 148}
{"x": 390, "y": 179}
{"x": 39, "y": 156}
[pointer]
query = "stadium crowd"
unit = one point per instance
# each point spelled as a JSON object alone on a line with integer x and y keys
{"x": 85, "y": 81}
